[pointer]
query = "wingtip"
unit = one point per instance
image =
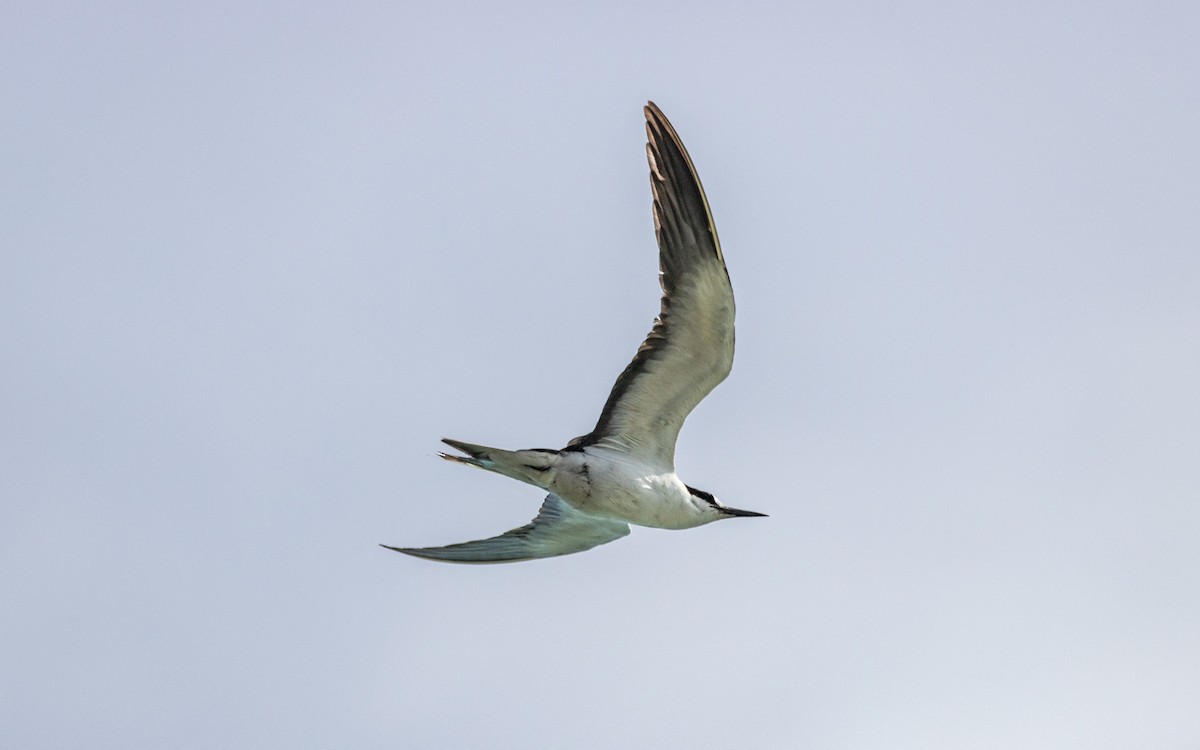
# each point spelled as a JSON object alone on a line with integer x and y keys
{"x": 655, "y": 119}
{"x": 444, "y": 555}
{"x": 411, "y": 552}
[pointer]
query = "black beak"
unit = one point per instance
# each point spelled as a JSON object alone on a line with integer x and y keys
{"x": 739, "y": 512}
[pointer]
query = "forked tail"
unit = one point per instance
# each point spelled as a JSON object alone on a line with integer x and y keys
{"x": 530, "y": 466}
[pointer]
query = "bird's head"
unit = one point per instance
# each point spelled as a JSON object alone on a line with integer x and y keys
{"x": 710, "y": 506}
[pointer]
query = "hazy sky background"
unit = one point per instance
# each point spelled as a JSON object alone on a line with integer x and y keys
{"x": 255, "y": 259}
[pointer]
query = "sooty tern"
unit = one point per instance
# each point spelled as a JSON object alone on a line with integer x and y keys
{"x": 623, "y": 471}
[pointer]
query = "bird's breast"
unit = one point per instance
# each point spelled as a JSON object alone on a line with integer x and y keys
{"x": 623, "y": 490}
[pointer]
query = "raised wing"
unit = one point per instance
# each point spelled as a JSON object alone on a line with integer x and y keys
{"x": 558, "y": 529}
{"x": 690, "y": 348}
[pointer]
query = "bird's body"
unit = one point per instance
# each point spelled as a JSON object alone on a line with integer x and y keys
{"x": 598, "y": 481}
{"x": 616, "y": 485}
{"x": 623, "y": 471}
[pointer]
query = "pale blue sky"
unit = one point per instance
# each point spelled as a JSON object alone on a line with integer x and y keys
{"x": 255, "y": 259}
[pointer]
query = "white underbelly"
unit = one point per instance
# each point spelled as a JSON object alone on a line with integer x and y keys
{"x": 625, "y": 491}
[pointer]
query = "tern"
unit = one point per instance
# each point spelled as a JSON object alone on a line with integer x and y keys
{"x": 623, "y": 471}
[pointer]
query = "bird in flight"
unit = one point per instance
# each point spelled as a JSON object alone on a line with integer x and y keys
{"x": 623, "y": 471}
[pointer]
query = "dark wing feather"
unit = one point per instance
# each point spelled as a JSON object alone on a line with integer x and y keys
{"x": 690, "y": 348}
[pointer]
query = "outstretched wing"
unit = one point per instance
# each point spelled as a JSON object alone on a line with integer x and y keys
{"x": 690, "y": 348}
{"x": 558, "y": 529}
